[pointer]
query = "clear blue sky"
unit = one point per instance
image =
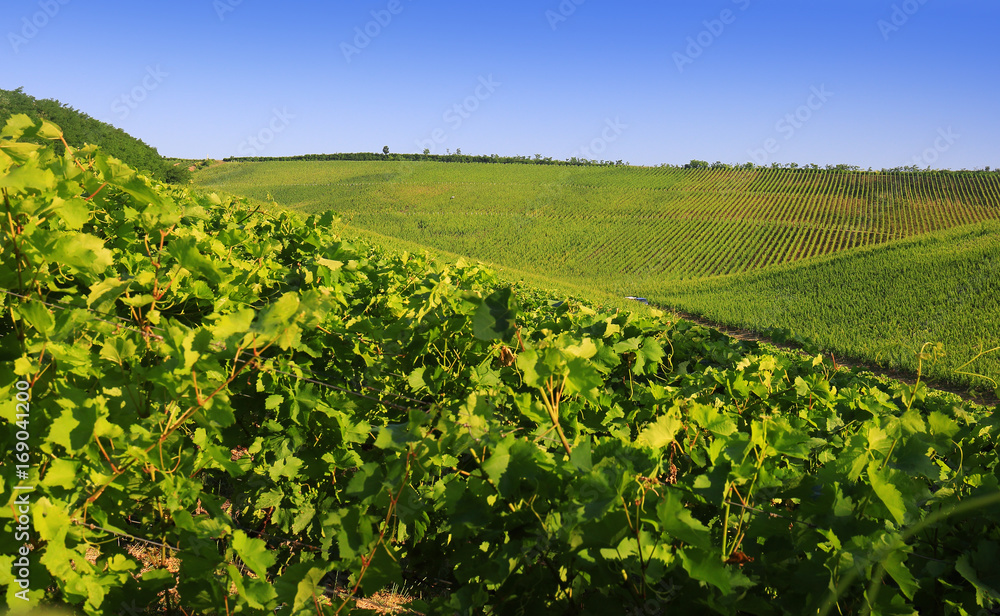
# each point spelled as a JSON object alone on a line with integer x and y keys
{"x": 873, "y": 83}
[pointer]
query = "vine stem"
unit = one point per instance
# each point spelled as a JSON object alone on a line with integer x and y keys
{"x": 99, "y": 189}
{"x": 366, "y": 561}
{"x": 551, "y": 399}
{"x": 959, "y": 369}
{"x": 726, "y": 554}
{"x": 725, "y": 525}
{"x": 170, "y": 430}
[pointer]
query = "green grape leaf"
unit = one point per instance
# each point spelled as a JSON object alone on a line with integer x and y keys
{"x": 534, "y": 371}
{"x": 896, "y": 567}
{"x": 273, "y": 401}
{"x": 288, "y": 466}
{"x": 583, "y": 379}
{"x": 254, "y": 553}
{"x": 299, "y": 586}
{"x": 712, "y": 419}
{"x": 16, "y": 126}
{"x": 887, "y": 491}
{"x": 789, "y": 441}
{"x": 48, "y": 130}
{"x": 648, "y": 356}
{"x": 74, "y": 212}
{"x": 496, "y": 465}
{"x": 277, "y": 317}
{"x": 103, "y": 294}
{"x": 74, "y": 428}
{"x": 706, "y": 567}
{"x": 23, "y": 366}
{"x": 941, "y": 424}
{"x": 61, "y": 473}
{"x": 581, "y": 458}
{"x": 585, "y": 350}
{"x": 51, "y": 520}
{"x": 185, "y": 250}
{"x": 416, "y": 379}
{"x": 83, "y": 251}
{"x": 38, "y": 316}
{"x": 494, "y": 318}
{"x": 532, "y": 408}
{"x": 233, "y": 323}
{"x": 660, "y": 433}
{"x": 677, "y": 520}
{"x": 979, "y": 569}
{"x": 25, "y": 178}
{"x": 256, "y": 592}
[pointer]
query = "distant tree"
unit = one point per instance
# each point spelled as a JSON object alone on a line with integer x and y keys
{"x": 385, "y": 150}
{"x": 458, "y": 152}
{"x": 698, "y": 164}
{"x": 177, "y": 174}
{"x": 427, "y": 151}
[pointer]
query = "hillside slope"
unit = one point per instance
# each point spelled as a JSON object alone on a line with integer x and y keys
{"x": 614, "y": 228}
{"x": 642, "y": 231}
{"x": 879, "y": 304}
{"x": 79, "y": 128}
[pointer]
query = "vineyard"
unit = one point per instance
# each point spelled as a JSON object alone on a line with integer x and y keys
{"x": 300, "y": 421}
{"x": 879, "y": 304}
{"x": 618, "y": 228}
{"x": 723, "y": 243}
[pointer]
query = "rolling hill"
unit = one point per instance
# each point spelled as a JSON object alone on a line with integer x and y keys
{"x": 702, "y": 240}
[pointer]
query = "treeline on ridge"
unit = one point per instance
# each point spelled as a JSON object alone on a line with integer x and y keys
{"x": 444, "y": 158}
{"x": 79, "y": 129}
{"x": 538, "y": 159}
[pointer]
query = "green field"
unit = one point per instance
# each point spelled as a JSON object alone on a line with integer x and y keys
{"x": 616, "y": 228}
{"x": 879, "y": 304}
{"x": 701, "y": 240}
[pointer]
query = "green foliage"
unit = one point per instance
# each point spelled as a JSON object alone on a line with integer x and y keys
{"x": 80, "y": 129}
{"x": 350, "y": 418}
{"x": 660, "y": 233}
{"x": 176, "y": 174}
{"x": 881, "y": 304}
{"x": 621, "y": 230}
